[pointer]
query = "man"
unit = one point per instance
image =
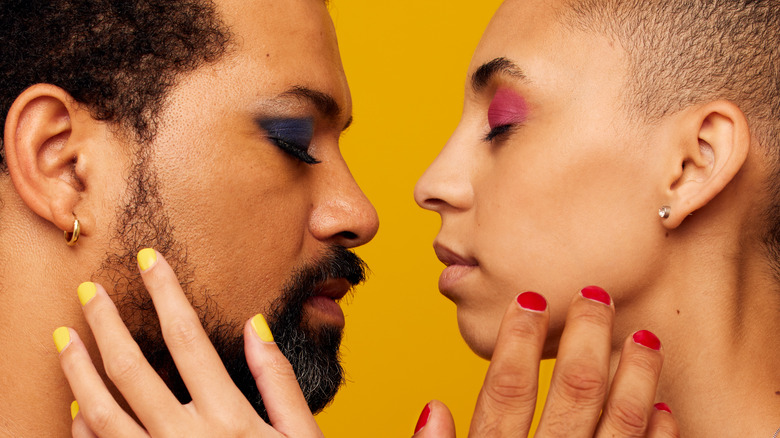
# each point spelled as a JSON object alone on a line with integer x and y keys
{"x": 208, "y": 132}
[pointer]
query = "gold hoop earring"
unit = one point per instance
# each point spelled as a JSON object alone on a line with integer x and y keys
{"x": 73, "y": 237}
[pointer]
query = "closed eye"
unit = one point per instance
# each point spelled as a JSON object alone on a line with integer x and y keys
{"x": 498, "y": 131}
{"x": 292, "y": 135}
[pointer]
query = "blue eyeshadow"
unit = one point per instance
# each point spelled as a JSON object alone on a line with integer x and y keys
{"x": 298, "y": 132}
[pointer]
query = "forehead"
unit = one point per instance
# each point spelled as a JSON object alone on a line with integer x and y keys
{"x": 284, "y": 43}
{"x": 552, "y": 55}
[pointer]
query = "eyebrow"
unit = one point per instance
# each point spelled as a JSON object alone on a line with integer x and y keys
{"x": 499, "y": 66}
{"x": 323, "y": 102}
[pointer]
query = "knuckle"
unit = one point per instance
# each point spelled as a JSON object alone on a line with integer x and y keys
{"x": 667, "y": 430}
{"x": 99, "y": 418}
{"x": 628, "y": 417}
{"x": 232, "y": 424}
{"x": 581, "y": 382}
{"x": 596, "y": 314}
{"x": 124, "y": 367}
{"x": 646, "y": 366}
{"x": 181, "y": 332}
{"x": 278, "y": 366}
{"x": 525, "y": 328}
{"x": 506, "y": 393}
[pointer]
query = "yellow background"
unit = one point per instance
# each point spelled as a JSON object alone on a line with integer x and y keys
{"x": 406, "y": 62}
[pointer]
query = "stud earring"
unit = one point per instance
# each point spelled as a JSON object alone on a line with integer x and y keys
{"x": 664, "y": 211}
{"x": 72, "y": 237}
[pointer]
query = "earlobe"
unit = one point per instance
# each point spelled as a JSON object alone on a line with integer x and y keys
{"x": 715, "y": 140}
{"x": 41, "y": 149}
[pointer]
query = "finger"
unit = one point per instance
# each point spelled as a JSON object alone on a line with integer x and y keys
{"x": 287, "y": 408}
{"x": 581, "y": 375}
{"x": 79, "y": 428}
{"x": 98, "y": 410}
{"x": 435, "y": 422}
{"x": 506, "y": 403}
{"x": 662, "y": 423}
{"x": 630, "y": 404}
{"x": 198, "y": 363}
{"x": 125, "y": 364}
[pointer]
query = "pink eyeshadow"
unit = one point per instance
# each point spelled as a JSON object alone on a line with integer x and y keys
{"x": 507, "y": 108}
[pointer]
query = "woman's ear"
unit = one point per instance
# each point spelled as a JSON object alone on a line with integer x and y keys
{"x": 714, "y": 142}
{"x": 46, "y": 133}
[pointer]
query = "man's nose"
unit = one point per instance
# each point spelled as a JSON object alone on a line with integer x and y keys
{"x": 343, "y": 214}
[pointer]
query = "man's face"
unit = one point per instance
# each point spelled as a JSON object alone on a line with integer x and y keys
{"x": 545, "y": 185}
{"x": 226, "y": 194}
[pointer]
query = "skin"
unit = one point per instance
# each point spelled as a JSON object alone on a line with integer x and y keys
{"x": 570, "y": 198}
{"x": 585, "y": 346}
{"x": 223, "y": 183}
{"x": 578, "y": 404}
{"x": 578, "y": 396}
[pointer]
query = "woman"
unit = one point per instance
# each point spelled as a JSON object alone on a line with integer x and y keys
{"x": 630, "y": 145}
{"x": 592, "y": 151}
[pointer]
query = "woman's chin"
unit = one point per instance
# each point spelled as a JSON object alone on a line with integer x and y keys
{"x": 480, "y": 333}
{"x": 480, "y": 336}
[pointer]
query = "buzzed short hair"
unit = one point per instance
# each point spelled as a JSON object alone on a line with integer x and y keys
{"x": 118, "y": 58}
{"x": 685, "y": 52}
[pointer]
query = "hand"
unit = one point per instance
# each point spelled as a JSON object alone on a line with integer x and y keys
{"x": 218, "y": 407}
{"x": 579, "y": 390}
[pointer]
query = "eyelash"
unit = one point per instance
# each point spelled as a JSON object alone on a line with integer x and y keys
{"x": 296, "y": 151}
{"x": 499, "y": 131}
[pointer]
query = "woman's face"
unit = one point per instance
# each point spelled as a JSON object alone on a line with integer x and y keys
{"x": 545, "y": 185}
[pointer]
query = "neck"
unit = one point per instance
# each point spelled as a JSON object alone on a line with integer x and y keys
{"x": 718, "y": 321}
{"x": 35, "y": 394}
{"x": 38, "y": 290}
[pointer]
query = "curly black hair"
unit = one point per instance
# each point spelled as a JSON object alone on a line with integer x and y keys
{"x": 117, "y": 57}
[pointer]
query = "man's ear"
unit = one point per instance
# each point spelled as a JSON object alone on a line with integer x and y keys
{"x": 714, "y": 142}
{"x": 45, "y": 135}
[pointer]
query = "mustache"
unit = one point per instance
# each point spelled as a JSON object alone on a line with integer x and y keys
{"x": 337, "y": 262}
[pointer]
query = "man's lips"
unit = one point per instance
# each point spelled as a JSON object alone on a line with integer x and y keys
{"x": 324, "y": 301}
{"x": 333, "y": 288}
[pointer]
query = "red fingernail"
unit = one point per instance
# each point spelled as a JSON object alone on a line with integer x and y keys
{"x": 532, "y": 301}
{"x": 663, "y": 407}
{"x": 596, "y": 293}
{"x": 649, "y": 340}
{"x": 423, "y": 420}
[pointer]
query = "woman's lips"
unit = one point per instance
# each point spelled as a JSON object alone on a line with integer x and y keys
{"x": 451, "y": 275}
{"x": 458, "y": 266}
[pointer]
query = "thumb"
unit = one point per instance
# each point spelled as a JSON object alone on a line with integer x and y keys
{"x": 435, "y": 422}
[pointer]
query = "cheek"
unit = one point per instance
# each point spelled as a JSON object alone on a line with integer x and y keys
{"x": 554, "y": 227}
{"x": 243, "y": 220}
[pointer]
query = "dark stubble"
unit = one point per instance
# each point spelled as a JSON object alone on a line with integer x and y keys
{"x": 313, "y": 352}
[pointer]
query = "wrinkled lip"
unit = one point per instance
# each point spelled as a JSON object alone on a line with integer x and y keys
{"x": 450, "y": 257}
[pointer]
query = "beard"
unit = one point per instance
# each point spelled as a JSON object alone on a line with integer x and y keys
{"x": 312, "y": 351}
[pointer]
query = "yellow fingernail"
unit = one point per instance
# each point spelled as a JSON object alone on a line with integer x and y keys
{"x": 74, "y": 409}
{"x": 261, "y": 328}
{"x": 146, "y": 258}
{"x": 61, "y": 338}
{"x": 86, "y": 291}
